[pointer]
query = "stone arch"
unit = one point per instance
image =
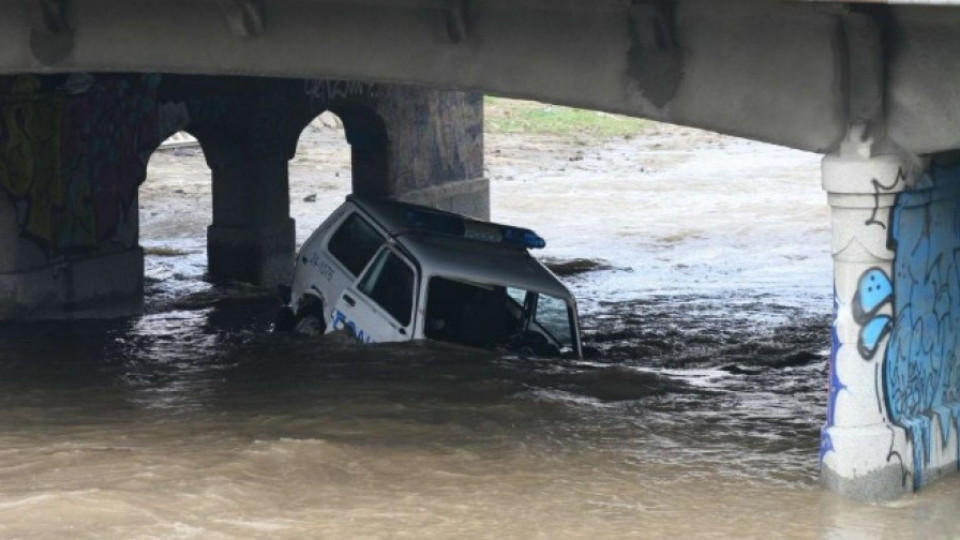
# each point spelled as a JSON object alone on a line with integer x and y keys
{"x": 366, "y": 133}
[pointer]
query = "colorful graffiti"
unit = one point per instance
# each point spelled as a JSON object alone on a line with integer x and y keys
{"x": 73, "y": 151}
{"x": 835, "y": 386}
{"x": 918, "y": 372}
{"x": 921, "y": 375}
{"x": 874, "y": 290}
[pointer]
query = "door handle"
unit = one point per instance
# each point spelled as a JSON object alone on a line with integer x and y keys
{"x": 349, "y": 300}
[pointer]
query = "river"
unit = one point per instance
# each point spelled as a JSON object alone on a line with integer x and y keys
{"x": 703, "y": 272}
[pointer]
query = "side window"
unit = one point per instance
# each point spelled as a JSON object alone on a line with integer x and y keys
{"x": 354, "y": 243}
{"x": 389, "y": 283}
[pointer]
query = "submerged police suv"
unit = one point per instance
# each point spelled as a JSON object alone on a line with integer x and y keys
{"x": 389, "y": 271}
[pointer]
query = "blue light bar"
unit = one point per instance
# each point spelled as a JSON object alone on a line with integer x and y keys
{"x": 519, "y": 236}
{"x": 441, "y": 223}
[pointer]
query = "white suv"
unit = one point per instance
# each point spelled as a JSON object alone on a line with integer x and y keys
{"x": 389, "y": 271}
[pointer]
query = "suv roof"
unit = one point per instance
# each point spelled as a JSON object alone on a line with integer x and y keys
{"x": 443, "y": 253}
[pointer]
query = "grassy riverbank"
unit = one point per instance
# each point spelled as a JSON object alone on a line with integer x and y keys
{"x": 529, "y": 117}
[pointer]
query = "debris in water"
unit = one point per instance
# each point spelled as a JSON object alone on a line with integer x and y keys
{"x": 575, "y": 266}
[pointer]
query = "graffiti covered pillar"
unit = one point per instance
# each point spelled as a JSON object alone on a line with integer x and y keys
{"x": 73, "y": 150}
{"x": 855, "y": 443}
{"x": 894, "y": 395}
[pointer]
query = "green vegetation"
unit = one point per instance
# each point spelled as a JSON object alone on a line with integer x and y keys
{"x": 514, "y": 116}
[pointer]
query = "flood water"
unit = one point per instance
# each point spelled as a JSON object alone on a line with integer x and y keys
{"x": 703, "y": 273}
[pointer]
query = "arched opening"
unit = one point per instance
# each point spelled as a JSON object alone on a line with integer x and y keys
{"x": 174, "y": 203}
{"x": 341, "y": 151}
{"x": 367, "y": 135}
{"x": 319, "y": 173}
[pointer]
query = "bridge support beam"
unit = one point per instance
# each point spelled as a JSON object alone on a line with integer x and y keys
{"x": 34, "y": 286}
{"x": 252, "y": 238}
{"x": 73, "y": 150}
{"x": 436, "y": 148}
{"x": 414, "y": 144}
{"x": 894, "y": 393}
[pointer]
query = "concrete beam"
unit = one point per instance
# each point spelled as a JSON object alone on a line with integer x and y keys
{"x": 770, "y": 71}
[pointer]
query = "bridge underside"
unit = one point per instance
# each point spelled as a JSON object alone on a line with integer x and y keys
{"x": 791, "y": 73}
{"x": 873, "y": 86}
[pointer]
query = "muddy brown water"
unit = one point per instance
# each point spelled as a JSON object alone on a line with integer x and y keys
{"x": 702, "y": 268}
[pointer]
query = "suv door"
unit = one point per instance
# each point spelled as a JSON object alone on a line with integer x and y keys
{"x": 379, "y": 307}
{"x": 332, "y": 259}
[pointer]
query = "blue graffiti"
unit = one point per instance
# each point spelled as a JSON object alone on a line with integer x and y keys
{"x": 872, "y": 333}
{"x": 874, "y": 290}
{"x": 836, "y": 385}
{"x": 921, "y": 375}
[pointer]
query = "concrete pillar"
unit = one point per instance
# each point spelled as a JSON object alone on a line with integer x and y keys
{"x": 73, "y": 151}
{"x": 436, "y": 148}
{"x": 894, "y": 390}
{"x": 35, "y": 286}
{"x": 252, "y": 238}
{"x": 410, "y": 143}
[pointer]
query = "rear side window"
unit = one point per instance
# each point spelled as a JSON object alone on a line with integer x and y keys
{"x": 389, "y": 283}
{"x": 355, "y": 243}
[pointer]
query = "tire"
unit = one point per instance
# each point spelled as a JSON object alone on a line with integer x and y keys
{"x": 310, "y": 325}
{"x": 310, "y": 320}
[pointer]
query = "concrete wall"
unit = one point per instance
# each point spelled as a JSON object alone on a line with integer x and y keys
{"x": 436, "y": 149}
{"x": 73, "y": 150}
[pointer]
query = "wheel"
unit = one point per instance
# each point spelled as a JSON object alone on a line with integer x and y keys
{"x": 310, "y": 320}
{"x": 310, "y": 325}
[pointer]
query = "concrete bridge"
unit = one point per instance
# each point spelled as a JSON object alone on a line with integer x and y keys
{"x": 89, "y": 88}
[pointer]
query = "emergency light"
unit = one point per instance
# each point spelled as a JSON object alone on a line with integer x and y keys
{"x": 439, "y": 223}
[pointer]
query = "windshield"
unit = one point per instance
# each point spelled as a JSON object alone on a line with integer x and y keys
{"x": 495, "y": 316}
